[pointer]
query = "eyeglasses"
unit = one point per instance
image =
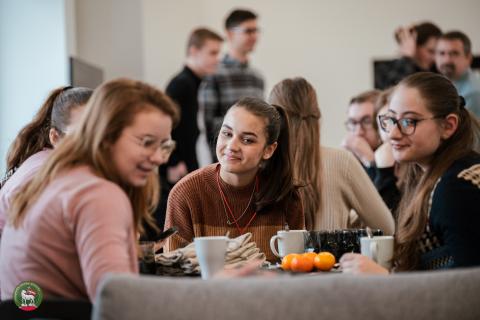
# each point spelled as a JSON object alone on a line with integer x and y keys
{"x": 364, "y": 123}
{"x": 406, "y": 126}
{"x": 248, "y": 31}
{"x": 166, "y": 147}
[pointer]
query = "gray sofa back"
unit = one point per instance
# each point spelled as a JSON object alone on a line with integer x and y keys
{"x": 453, "y": 294}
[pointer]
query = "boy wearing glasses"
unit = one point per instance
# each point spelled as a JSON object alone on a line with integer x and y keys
{"x": 234, "y": 78}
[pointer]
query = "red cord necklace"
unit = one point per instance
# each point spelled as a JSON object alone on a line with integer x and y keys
{"x": 226, "y": 205}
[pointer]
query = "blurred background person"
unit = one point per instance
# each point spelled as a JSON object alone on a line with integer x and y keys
{"x": 203, "y": 49}
{"x": 362, "y": 137}
{"x": 453, "y": 59}
{"x": 235, "y": 78}
{"x": 417, "y": 45}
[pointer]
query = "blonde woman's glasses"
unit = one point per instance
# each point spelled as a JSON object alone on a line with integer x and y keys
{"x": 151, "y": 145}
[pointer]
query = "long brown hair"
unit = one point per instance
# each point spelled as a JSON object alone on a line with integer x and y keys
{"x": 441, "y": 98}
{"x": 276, "y": 172}
{"x": 299, "y": 99}
{"x": 112, "y": 108}
{"x": 54, "y": 113}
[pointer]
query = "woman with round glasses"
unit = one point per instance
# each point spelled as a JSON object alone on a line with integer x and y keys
{"x": 430, "y": 129}
{"x": 80, "y": 216}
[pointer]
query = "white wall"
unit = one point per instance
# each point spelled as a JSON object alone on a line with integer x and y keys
{"x": 33, "y": 60}
{"x": 109, "y": 35}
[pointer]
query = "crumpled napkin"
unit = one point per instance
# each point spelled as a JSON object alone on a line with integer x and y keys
{"x": 183, "y": 261}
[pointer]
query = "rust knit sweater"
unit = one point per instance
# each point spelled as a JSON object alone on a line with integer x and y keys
{"x": 196, "y": 208}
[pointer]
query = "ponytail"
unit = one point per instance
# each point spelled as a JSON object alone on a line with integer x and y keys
{"x": 276, "y": 172}
{"x": 54, "y": 113}
{"x": 34, "y": 136}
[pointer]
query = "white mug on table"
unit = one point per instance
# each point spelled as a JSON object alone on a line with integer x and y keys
{"x": 211, "y": 254}
{"x": 292, "y": 241}
{"x": 379, "y": 249}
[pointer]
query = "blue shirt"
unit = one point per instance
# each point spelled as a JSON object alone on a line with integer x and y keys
{"x": 469, "y": 87}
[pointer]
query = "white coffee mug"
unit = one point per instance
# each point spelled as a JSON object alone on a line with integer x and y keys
{"x": 211, "y": 254}
{"x": 379, "y": 249}
{"x": 292, "y": 241}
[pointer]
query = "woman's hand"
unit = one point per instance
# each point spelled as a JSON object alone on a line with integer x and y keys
{"x": 159, "y": 244}
{"x": 358, "y": 264}
{"x": 384, "y": 156}
{"x": 251, "y": 268}
{"x": 174, "y": 174}
{"x": 407, "y": 41}
{"x": 359, "y": 147}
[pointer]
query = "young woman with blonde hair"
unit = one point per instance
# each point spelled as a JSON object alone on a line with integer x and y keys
{"x": 80, "y": 216}
{"x": 432, "y": 132}
{"x": 333, "y": 182}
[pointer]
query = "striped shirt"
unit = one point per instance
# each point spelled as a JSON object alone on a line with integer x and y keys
{"x": 232, "y": 81}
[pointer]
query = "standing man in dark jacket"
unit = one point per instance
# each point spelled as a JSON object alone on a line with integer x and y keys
{"x": 203, "y": 51}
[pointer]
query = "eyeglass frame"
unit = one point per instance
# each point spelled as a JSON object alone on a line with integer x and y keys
{"x": 248, "y": 31}
{"x": 166, "y": 147}
{"x": 399, "y": 126}
{"x": 361, "y": 123}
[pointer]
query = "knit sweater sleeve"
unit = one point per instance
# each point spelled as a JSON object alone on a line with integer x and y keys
{"x": 179, "y": 211}
{"x": 364, "y": 198}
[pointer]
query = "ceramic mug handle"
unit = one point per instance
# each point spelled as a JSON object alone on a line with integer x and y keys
{"x": 272, "y": 245}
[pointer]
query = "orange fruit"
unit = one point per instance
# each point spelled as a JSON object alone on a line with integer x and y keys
{"x": 310, "y": 255}
{"x": 287, "y": 261}
{"x": 324, "y": 261}
{"x": 301, "y": 263}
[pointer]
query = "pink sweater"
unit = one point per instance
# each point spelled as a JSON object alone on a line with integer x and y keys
{"x": 79, "y": 229}
{"x": 24, "y": 174}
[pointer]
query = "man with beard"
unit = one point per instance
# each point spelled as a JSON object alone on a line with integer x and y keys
{"x": 453, "y": 59}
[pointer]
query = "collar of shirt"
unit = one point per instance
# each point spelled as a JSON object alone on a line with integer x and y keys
{"x": 231, "y": 62}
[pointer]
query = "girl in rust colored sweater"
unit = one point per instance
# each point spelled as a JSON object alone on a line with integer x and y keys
{"x": 250, "y": 189}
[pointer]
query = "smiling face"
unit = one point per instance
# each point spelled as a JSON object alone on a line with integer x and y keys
{"x": 137, "y": 152}
{"x": 421, "y": 145}
{"x": 241, "y": 145}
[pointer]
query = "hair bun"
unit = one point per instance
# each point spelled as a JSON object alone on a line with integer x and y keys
{"x": 462, "y": 102}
